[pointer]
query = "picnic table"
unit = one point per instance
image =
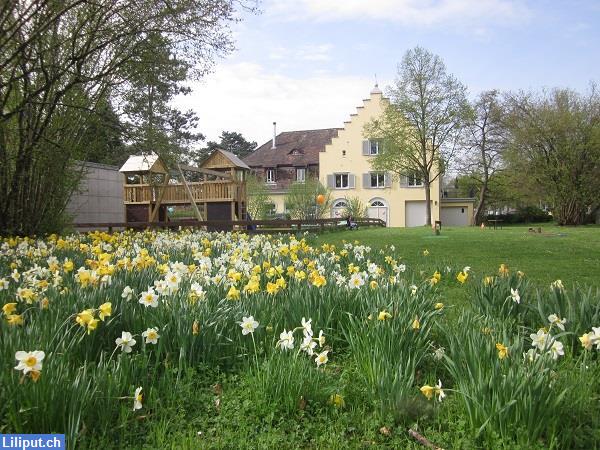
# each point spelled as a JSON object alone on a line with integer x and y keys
{"x": 496, "y": 222}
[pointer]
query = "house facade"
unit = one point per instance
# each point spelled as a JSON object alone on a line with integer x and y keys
{"x": 292, "y": 156}
{"x": 341, "y": 159}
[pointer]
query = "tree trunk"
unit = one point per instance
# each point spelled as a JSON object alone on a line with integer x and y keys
{"x": 427, "y": 185}
{"x": 481, "y": 205}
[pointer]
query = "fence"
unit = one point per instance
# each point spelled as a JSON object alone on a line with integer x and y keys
{"x": 249, "y": 226}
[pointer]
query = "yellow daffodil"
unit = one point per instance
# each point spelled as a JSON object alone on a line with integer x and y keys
{"x": 462, "y": 277}
{"x": 503, "y": 271}
{"x": 233, "y": 293}
{"x": 85, "y": 317}
{"x": 337, "y": 400}
{"x": 105, "y": 310}
{"x": 438, "y": 305}
{"x": 384, "y": 315}
{"x": 14, "y": 319}
{"x": 502, "y": 351}
{"x": 9, "y": 308}
{"x": 416, "y": 324}
{"x": 195, "y": 328}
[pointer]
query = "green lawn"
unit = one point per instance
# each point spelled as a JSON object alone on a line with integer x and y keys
{"x": 571, "y": 254}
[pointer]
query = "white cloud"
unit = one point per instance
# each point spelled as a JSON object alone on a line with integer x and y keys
{"x": 248, "y": 98}
{"x": 320, "y": 52}
{"x": 406, "y": 12}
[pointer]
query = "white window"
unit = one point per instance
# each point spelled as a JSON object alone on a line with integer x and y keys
{"x": 301, "y": 175}
{"x": 340, "y": 204}
{"x": 341, "y": 181}
{"x": 377, "y": 179}
{"x": 270, "y": 175}
{"x": 414, "y": 180}
{"x": 377, "y": 203}
{"x": 373, "y": 147}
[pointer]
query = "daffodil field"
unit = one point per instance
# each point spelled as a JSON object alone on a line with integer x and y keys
{"x": 217, "y": 339}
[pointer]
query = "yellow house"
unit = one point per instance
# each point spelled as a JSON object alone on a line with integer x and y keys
{"x": 345, "y": 168}
{"x": 341, "y": 159}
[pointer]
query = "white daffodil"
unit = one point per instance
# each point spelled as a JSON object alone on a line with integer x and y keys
{"x": 321, "y": 338}
{"x": 151, "y": 335}
{"x": 198, "y": 291}
{"x": 541, "y": 339}
{"x": 556, "y": 320}
{"x": 596, "y": 337}
{"x": 149, "y": 298}
{"x": 307, "y": 327}
{"x": 322, "y": 358}
{"x": 439, "y": 391}
{"x": 137, "y": 399}
{"x": 248, "y": 325}
{"x": 556, "y": 350}
{"x": 286, "y": 340}
{"x": 308, "y": 345}
{"x": 356, "y": 281}
{"x": 4, "y": 284}
{"x": 514, "y": 293}
{"x": 126, "y": 342}
{"x": 29, "y": 361}
{"x": 127, "y": 293}
{"x": 173, "y": 279}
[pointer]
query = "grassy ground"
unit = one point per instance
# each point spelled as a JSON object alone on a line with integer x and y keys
{"x": 571, "y": 254}
{"x": 206, "y": 406}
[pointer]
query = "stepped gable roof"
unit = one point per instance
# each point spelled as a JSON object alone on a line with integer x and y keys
{"x": 293, "y": 148}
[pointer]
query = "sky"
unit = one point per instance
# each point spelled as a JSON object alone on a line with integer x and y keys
{"x": 307, "y": 64}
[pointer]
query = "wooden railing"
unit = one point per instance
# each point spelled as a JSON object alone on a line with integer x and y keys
{"x": 251, "y": 226}
{"x": 206, "y": 191}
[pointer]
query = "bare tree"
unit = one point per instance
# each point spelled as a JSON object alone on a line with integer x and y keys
{"x": 484, "y": 140}
{"x": 421, "y": 125}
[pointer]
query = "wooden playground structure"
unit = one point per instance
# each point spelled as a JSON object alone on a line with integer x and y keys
{"x": 217, "y": 191}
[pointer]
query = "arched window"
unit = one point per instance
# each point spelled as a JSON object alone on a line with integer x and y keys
{"x": 377, "y": 203}
{"x": 340, "y": 204}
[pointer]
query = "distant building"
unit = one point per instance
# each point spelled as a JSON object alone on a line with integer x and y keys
{"x": 341, "y": 159}
{"x": 292, "y": 156}
{"x": 99, "y": 198}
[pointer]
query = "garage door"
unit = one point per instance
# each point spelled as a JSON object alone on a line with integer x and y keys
{"x": 455, "y": 216}
{"x": 415, "y": 214}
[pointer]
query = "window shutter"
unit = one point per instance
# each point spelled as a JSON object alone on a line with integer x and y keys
{"x": 366, "y": 181}
{"x": 330, "y": 181}
{"x": 351, "y": 182}
{"x": 388, "y": 180}
{"x": 366, "y": 148}
{"x": 403, "y": 181}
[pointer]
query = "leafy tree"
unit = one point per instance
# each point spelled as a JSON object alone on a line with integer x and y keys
{"x": 555, "y": 144}
{"x": 259, "y": 202}
{"x": 58, "y": 59}
{"x": 230, "y": 141}
{"x": 153, "y": 123}
{"x": 420, "y": 126}
{"x": 355, "y": 208}
{"x": 301, "y": 200}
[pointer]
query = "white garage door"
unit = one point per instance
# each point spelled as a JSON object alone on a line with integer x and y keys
{"x": 415, "y": 214}
{"x": 455, "y": 216}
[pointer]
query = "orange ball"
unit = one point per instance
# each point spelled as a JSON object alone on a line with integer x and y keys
{"x": 320, "y": 199}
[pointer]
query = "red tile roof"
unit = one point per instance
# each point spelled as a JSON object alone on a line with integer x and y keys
{"x": 293, "y": 148}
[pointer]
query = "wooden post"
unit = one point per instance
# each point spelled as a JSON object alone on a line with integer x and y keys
{"x": 189, "y": 192}
{"x": 159, "y": 199}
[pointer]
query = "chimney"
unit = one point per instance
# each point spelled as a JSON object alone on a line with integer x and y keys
{"x": 274, "y": 134}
